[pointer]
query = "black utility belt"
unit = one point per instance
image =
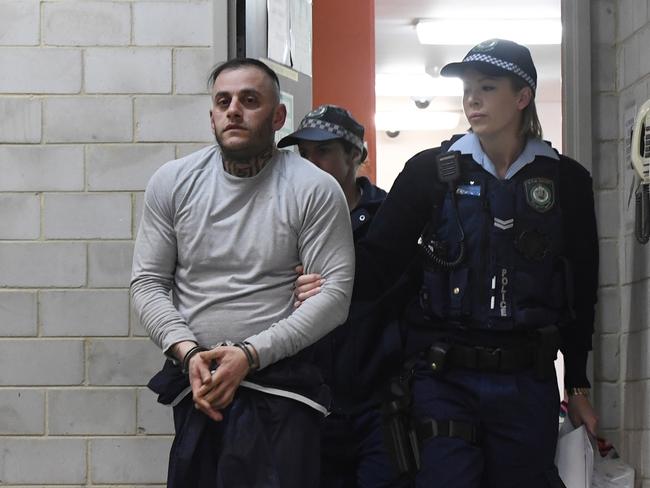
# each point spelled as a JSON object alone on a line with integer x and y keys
{"x": 444, "y": 356}
{"x": 538, "y": 354}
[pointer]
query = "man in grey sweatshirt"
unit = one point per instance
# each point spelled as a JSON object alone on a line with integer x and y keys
{"x": 220, "y": 233}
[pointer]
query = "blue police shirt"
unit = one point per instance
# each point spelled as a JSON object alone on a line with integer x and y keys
{"x": 470, "y": 144}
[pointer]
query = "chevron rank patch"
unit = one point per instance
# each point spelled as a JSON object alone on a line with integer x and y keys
{"x": 540, "y": 193}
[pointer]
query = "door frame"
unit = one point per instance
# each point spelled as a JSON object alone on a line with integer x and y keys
{"x": 576, "y": 81}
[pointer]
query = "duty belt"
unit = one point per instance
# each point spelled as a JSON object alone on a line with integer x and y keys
{"x": 539, "y": 353}
{"x": 495, "y": 360}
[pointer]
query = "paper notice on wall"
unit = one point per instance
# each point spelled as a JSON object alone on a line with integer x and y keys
{"x": 300, "y": 35}
{"x": 278, "y": 41}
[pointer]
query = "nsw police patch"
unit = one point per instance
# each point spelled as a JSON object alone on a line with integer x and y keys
{"x": 485, "y": 46}
{"x": 317, "y": 112}
{"x": 540, "y": 193}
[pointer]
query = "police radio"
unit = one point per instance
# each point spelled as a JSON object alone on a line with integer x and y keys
{"x": 448, "y": 164}
{"x": 640, "y": 153}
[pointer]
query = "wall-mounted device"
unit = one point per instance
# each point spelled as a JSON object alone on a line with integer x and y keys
{"x": 640, "y": 153}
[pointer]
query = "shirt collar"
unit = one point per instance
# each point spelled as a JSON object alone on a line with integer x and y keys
{"x": 470, "y": 144}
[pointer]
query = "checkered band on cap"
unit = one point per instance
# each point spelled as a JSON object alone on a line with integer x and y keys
{"x": 500, "y": 63}
{"x": 309, "y": 123}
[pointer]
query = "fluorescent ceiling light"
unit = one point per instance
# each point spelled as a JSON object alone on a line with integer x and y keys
{"x": 416, "y": 85}
{"x": 489, "y": 10}
{"x": 472, "y": 31}
{"x": 416, "y": 120}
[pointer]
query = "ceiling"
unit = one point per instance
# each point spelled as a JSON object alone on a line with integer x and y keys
{"x": 399, "y": 51}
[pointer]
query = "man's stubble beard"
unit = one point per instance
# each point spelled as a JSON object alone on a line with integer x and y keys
{"x": 249, "y": 159}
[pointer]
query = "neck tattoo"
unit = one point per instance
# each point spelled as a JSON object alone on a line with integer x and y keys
{"x": 245, "y": 168}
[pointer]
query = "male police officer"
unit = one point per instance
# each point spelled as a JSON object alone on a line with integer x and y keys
{"x": 355, "y": 356}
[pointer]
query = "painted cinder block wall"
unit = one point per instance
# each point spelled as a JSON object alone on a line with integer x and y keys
{"x": 620, "y": 33}
{"x": 94, "y": 97}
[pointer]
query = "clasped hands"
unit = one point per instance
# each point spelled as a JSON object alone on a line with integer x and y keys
{"x": 214, "y": 389}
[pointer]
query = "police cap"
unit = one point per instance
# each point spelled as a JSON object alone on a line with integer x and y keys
{"x": 497, "y": 57}
{"x": 325, "y": 123}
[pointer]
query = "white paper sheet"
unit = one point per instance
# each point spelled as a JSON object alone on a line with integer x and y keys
{"x": 574, "y": 456}
{"x": 301, "y": 35}
{"x": 278, "y": 40}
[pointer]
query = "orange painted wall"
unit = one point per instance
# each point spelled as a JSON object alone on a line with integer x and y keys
{"x": 343, "y": 62}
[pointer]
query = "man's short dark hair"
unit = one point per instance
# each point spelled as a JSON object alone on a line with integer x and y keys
{"x": 237, "y": 63}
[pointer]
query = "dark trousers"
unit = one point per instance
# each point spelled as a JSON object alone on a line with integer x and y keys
{"x": 264, "y": 441}
{"x": 517, "y": 417}
{"x": 353, "y": 453}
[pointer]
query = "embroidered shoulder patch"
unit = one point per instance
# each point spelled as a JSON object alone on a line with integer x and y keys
{"x": 540, "y": 193}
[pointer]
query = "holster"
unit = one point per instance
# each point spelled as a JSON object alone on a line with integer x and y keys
{"x": 400, "y": 436}
{"x": 548, "y": 342}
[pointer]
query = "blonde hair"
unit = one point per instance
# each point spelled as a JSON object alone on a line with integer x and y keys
{"x": 530, "y": 125}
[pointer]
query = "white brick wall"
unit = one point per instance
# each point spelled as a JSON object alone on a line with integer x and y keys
{"x": 52, "y": 362}
{"x": 163, "y": 118}
{"x": 37, "y": 264}
{"x": 87, "y": 216}
{"x": 620, "y": 80}
{"x": 23, "y": 412}
{"x": 21, "y": 120}
{"x": 156, "y": 24}
{"x": 129, "y": 460}
{"x": 124, "y": 166}
{"x": 84, "y": 312}
{"x": 128, "y": 70}
{"x": 109, "y": 264}
{"x": 42, "y": 168}
{"x": 86, "y": 23}
{"x": 95, "y": 95}
{"x": 20, "y": 215}
{"x": 189, "y": 70}
{"x": 88, "y": 119}
{"x": 19, "y": 22}
{"x": 18, "y": 312}
{"x": 153, "y": 418}
{"x": 83, "y": 411}
{"x": 60, "y": 461}
{"x": 29, "y": 70}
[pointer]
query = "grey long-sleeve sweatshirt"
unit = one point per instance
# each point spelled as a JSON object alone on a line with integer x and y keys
{"x": 226, "y": 247}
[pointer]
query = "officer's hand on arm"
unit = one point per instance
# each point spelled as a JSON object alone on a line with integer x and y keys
{"x": 581, "y": 412}
{"x": 219, "y": 391}
{"x": 306, "y": 285}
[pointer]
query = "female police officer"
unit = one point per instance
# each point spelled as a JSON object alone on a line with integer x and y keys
{"x": 509, "y": 272}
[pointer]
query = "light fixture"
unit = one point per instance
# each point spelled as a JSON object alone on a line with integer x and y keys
{"x": 456, "y": 31}
{"x": 422, "y": 103}
{"x": 416, "y": 120}
{"x": 416, "y": 85}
